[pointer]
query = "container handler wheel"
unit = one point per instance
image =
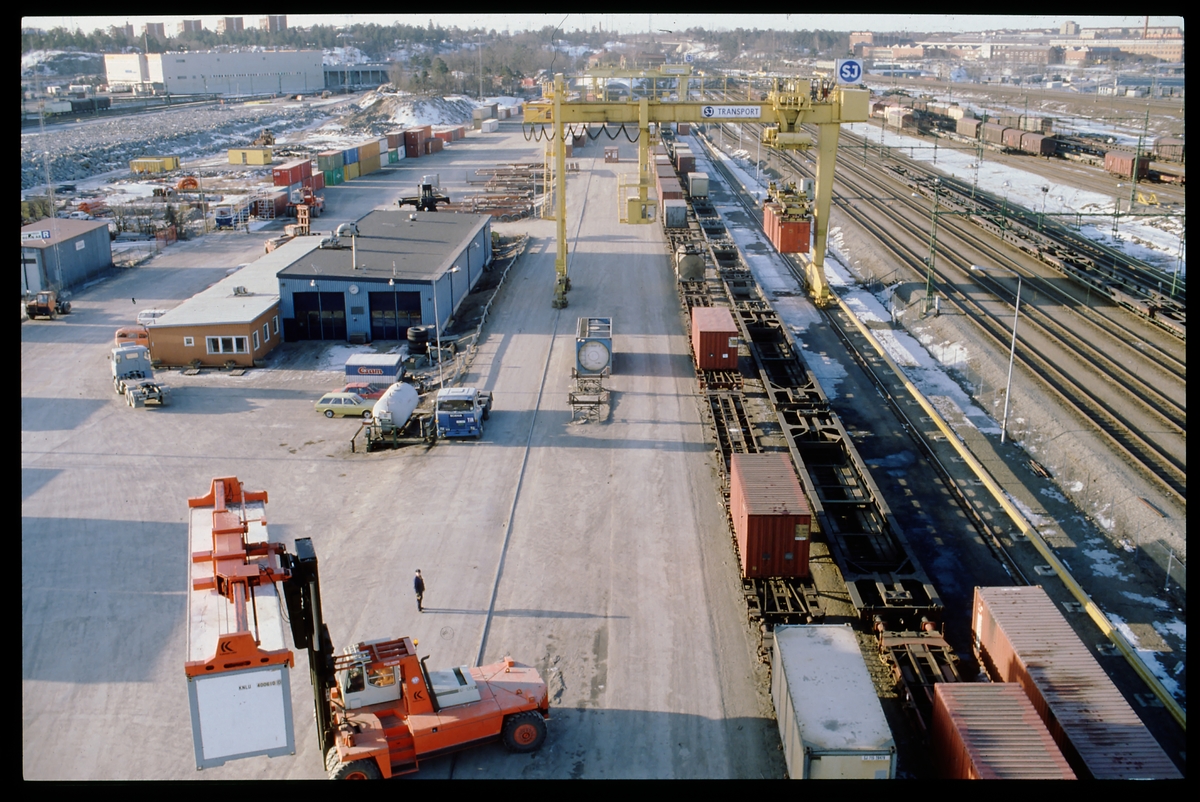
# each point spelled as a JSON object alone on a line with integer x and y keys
{"x": 524, "y": 732}
{"x": 356, "y": 770}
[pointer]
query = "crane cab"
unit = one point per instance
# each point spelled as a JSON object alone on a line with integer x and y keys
{"x": 363, "y": 683}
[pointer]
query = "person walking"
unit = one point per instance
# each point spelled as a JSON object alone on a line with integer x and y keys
{"x": 419, "y": 587}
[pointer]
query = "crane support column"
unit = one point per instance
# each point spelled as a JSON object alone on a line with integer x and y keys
{"x": 827, "y": 140}
{"x": 644, "y": 165}
{"x": 561, "y": 283}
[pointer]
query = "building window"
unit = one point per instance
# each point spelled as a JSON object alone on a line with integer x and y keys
{"x": 189, "y": 342}
{"x": 254, "y": 334}
{"x": 275, "y": 324}
{"x": 226, "y": 345}
{"x": 266, "y": 333}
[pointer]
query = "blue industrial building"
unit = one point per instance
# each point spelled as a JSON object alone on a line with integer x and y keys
{"x": 59, "y": 254}
{"x": 401, "y": 269}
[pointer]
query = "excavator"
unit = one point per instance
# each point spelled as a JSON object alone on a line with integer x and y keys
{"x": 427, "y": 201}
{"x": 379, "y": 710}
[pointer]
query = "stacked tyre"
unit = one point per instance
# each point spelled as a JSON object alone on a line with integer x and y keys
{"x": 418, "y": 340}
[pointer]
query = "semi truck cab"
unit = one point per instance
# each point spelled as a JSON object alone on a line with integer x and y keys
{"x": 461, "y": 411}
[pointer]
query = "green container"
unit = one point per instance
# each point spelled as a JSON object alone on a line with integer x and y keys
{"x": 339, "y": 176}
{"x": 329, "y": 177}
{"x": 393, "y": 157}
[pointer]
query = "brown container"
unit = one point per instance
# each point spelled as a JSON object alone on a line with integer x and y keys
{"x": 444, "y": 136}
{"x": 714, "y": 338}
{"x": 1012, "y": 138}
{"x": 1037, "y": 144}
{"x": 685, "y": 161}
{"x": 683, "y": 129}
{"x": 1121, "y": 163}
{"x": 993, "y": 133}
{"x": 670, "y": 189}
{"x": 433, "y": 146}
{"x": 1020, "y": 637}
{"x": 395, "y": 140}
{"x": 968, "y": 126}
{"x": 990, "y": 731}
{"x": 792, "y": 236}
{"x": 412, "y": 150}
{"x": 771, "y": 516}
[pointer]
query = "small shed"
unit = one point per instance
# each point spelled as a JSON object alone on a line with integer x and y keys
{"x": 59, "y": 254}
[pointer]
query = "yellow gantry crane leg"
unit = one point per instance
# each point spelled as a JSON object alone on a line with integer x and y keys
{"x": 827, "y": 140}
{"x": 562, "y": 282}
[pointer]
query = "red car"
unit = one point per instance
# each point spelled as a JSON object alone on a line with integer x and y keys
{"x": 371, "y": 392}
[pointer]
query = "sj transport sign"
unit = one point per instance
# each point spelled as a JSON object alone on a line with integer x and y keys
{"x": 736, "y": 112}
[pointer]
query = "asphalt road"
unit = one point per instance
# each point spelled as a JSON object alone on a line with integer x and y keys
{"x": 597, "y": 552}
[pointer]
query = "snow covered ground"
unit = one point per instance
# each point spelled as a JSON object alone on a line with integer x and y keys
{"x": 1152, "y": 239}
{"x": 927, "y": 365}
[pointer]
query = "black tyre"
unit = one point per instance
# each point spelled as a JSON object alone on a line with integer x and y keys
{"x": 331, "y": 759}
{"x": 356, "y": 770}
{"x": 524, "y": 732}
{"x": 486, "y": 411}
{"x": 366, "y": 414}
{"x": 329, "y": 413}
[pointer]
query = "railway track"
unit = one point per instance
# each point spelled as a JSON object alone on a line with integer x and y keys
{"x": 1143, "y": 422}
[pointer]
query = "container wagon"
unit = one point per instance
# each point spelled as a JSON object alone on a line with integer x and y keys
{"x": 1019, "y": 636}
{"x": 830, "y": 720}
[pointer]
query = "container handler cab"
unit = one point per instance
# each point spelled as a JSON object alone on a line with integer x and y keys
{"x": 379, "y": 710}
{"x": 428, "y": 197}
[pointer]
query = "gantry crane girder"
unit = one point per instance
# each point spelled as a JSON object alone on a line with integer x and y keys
{"x": 788, "y": 106}
{"x": 678, "y": 72}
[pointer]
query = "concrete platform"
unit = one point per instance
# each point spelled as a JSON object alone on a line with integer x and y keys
{"x": 597, "y": 552}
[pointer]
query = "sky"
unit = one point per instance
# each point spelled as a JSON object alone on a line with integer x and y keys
{"x": 640, "y": 23}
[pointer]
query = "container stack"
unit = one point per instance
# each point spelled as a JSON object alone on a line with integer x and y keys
{"x": 787, "y": 222}
{"x": 490, "y": 126}
{"x": 1022, "y": 638}
{"x": 685, "y": 162}
{"x": 771, "y": 516}
{"x": 368, "y": 157}
{"x": 698, "y": 185}
{"x": 414, "y": 141}
{"x": 683, "y": 129}
{"x": 331, "y": 166}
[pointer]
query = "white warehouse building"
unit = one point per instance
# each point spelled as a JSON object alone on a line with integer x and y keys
{"x": 227, "y": 73}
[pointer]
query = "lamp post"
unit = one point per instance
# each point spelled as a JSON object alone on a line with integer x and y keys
{"x": 320, "y": 312}
{"x": 1004, "y": 210}
{"x": 437, "y": 320}
{"x": 1012, "y": 350}
{"x": 1042, "y": 218}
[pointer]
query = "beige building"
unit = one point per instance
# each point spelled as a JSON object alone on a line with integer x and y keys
{"x": 190, "y": 26}
{"x": 155, "y": 30}
{"x": 126, "y": 68}
{"x": 273, "y": 23}
{"x": 234, "y": 321}
{"x": 238, "y": 73}
{"x": 1167, "y": 49}
{"x": 230, "y": 25}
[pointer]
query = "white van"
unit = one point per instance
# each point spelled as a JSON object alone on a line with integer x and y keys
{"x": 148, "y": 316}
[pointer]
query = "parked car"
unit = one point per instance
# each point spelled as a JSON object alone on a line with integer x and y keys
{"x": 371, "y": 392}
{"x": 148, "y": 316}
{"x": 343, "y": 404}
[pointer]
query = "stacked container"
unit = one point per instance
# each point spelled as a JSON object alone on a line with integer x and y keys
{"x": 685, "y": 162}
{"x": 395, "y": 140}
{"x": 771, "y": 516}
{"x": 990, "y": 731}
{"x": 1020, "y": 637}
{"x": 329, "y": 160}
{"x": 293, "y": 172}
{"x": 414, "y": 141}
{"x": 490, "y": 126}
{"x": 698, "y": 185}
{"x": 351, "y": 171}
{"x": 433, "y": 145}
{"x": 683, "y": 129}
{"x": 674, "y": 214}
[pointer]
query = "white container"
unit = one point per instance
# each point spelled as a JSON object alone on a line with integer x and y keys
{"x": 395, "y": 407}
{"x": 698, "y": 185}
{"x": 489, "y": 126}
{"x": 674, "y": 213}
{"x": 830, "y": 720}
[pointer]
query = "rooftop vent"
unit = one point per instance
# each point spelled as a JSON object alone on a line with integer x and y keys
{"x": 240, "y": 291}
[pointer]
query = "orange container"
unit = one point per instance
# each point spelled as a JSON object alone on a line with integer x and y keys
{"x": 714, "y": 338}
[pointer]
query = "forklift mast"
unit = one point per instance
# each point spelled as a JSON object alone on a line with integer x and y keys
{"x": 302, "y": 592}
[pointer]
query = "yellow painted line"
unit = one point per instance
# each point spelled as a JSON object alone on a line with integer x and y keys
{"x": 1027, "y": 529}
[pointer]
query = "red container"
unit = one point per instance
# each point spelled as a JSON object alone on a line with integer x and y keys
{"x": 1012, "y": 138}
{"x": 792, "y": 236}
{"x": 771, "y": 516}
{"x": 683, "y": 129}
{"x": 685, "y": 161}
{"x": 433, "y": 146}
{"x": 444, "y": 136}
{"x": 395, "y": 140}
{"x": 291, "y": 173}
{"x": 1021, "y": 637}
{"x": 318, "y": 181}
{"x": 990, "y": 731}
{"x": 714, "y": 338}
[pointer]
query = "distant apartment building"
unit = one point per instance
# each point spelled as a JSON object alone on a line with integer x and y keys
{"x": 1167, "y": 32}
{"x": 190, "y": 26}
{"x": 238, "y": 73}
{"x": 1069, "y": 28}
{"x": 230, "y": 25}
{"x": 117, "y": 31}
{"x": 860, "y": 41}
{"x": 155, "y": 30}
{"x": 273, "y": 23}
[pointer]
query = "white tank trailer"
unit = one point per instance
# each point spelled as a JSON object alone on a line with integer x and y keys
{"x": 689, "y": 263}
{"x": 395, "y": 407}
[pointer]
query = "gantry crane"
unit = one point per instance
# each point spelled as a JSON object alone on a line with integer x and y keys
{"x": 790, "y": 105}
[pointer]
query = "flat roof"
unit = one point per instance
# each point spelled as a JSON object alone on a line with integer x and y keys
{"x": 61, "y": 229}
{"x": 421, "y": 250}
{"x": 220, "y": 305}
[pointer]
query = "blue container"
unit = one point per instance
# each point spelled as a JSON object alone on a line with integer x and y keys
{"x": 350, "y": 156}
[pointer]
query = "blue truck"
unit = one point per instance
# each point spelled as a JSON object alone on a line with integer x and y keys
{"x": 461, "y": 411}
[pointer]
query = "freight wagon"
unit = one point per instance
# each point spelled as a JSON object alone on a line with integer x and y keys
{"x": 1121, "y": 163}
{"x": 1168, "y": 149}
